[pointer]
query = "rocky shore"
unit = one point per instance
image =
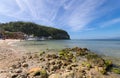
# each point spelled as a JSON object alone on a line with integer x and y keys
{"x": 67, "y": 63}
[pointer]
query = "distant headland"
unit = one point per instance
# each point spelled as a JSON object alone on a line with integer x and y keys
{"x": 16, "y": 30}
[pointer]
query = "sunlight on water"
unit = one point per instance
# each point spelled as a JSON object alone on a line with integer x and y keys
{"x": 103, "y": 47}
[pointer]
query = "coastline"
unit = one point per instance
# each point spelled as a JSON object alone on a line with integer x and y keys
{"x": 19, "y": 63}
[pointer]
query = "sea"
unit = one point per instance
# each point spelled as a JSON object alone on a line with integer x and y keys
{"x": 110, "y": 48}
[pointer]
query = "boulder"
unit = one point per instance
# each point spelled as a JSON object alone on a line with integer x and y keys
{"x": 37, "y": 71}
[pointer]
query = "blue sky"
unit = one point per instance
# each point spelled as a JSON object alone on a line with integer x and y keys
{"x": 82, "y": 19}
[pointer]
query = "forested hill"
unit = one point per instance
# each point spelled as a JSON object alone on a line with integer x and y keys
{"x": 30, "y": 28}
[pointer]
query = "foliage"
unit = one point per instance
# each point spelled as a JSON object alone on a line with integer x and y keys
{"x": 34, "y": 29}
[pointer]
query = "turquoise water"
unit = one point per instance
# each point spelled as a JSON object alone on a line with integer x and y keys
{"x": 105, "y": 47}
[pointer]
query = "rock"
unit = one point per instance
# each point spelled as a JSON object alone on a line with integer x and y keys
{"x": 74, "y": 65}
{"x": 69, "y": 67}
{"x": 65, "y": 63}
{"x": 54, "y": 67}
{"x": 41, "y": 53}
{"x": 14, "y": 66}
{"x": 18, "y": 70}
{"x": 29, "y": 57}
{"x": 53, "y": 56}
{"x": 59, "y": 62}
{"x": 22, "y": 75}
{"x": 14, "y": 75}
{"x": 38, "y": 72}
{"x": 54, "y": 76}
{"x": 116, "y": 70}
{"x": 87, "y": 65}
{"x": 95, "y": 60}
{"x": 24, "y": 65}
{"x": 52, "y": 62}
{"x": 35, "y": 56}
{"x": 85, "y": 49}
{"x": 70, "y": 55}
{"x": 33, "y": 70}
{"x": 42, "y": 59}
{"x": 102, "y": 70}
{"x": 23, "y": 61}
{"x": 68, "y": 75}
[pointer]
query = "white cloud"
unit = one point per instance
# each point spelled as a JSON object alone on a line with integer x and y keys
{"x": 110, "y": 22}
{"x": 74, "y": 14}
{"x": 8, "y": 7}
{"x": 84, "y": 14}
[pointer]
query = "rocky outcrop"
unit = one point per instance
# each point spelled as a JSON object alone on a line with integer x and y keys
{"x": 67, "y": 63}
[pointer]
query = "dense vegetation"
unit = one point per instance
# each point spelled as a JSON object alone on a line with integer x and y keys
{"x": 34, "y": 29}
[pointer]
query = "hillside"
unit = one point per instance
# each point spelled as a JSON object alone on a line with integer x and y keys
{"x": 30, "y": 28}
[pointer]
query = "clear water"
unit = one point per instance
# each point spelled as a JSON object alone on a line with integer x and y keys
{"x": 105, "y": 47}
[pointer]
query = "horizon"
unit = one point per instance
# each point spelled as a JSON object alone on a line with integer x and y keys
{"x": 82, "y": 19}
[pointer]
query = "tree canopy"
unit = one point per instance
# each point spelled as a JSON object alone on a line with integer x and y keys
{"x": 30, "y": 28}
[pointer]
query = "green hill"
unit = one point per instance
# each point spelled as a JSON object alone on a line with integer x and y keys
{"x": 30, "y": 28}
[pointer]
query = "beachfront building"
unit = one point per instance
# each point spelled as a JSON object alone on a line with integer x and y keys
{"x": 31, "y": 37}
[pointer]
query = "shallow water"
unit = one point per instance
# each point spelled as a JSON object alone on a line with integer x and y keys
{"x": 109, "y": 48}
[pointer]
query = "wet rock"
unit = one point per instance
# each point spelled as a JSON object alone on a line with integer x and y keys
{"x": 85, "y": 49}
{"x": 76, "y": 49}
{"x": 95, "y": 60}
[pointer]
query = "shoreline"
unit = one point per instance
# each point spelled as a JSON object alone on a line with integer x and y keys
{"x": 17, "y": 63}
{"x": 8, "y": 42}
{"x": 9, "y": 54}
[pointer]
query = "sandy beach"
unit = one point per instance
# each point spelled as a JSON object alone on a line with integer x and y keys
{"x": 8, "y": 55}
